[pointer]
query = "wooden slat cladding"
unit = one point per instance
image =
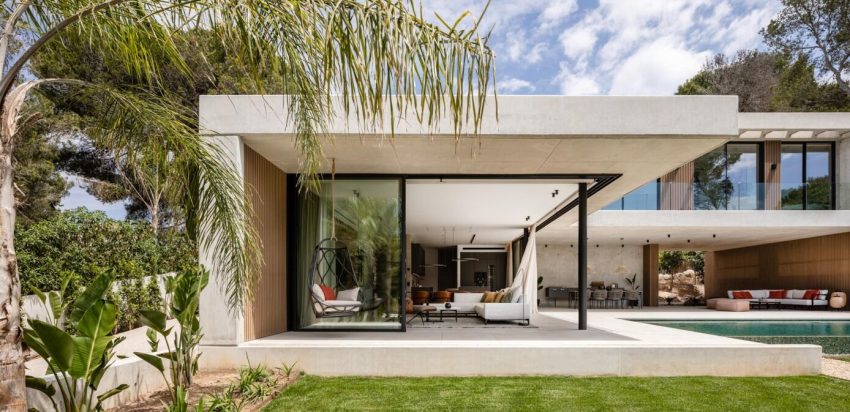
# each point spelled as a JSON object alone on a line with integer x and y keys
{"x": 820, "y": 262}
{"x": 266, "y": 314}
{"x": 677, "y": 190}
{"x": 772, "y": 188}
{"x": 650, "y": 275}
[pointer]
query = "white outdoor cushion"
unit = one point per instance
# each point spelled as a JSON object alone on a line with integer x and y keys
{"x": 503, "y": 311}
{"x": 467, "y": 297}
{"x": 335, "y": 303}
{"x": 795, "y": 294}
{"x": 760, "y": 293}
{"x": 803, "y": 302}
{"x": 317, "y": 293}
{"x": 348, "y": 294}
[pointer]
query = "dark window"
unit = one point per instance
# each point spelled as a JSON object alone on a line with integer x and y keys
{"x": 807, "y": 176}
{"x": 727, "y": 178}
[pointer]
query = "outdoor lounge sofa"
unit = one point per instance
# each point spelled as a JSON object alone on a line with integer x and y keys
{"x": 816, "y": 298}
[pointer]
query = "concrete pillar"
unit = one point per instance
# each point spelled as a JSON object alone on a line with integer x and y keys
{"x": 220, "y": 326}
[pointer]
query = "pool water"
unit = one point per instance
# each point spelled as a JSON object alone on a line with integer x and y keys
{"x": 735, "y": 328}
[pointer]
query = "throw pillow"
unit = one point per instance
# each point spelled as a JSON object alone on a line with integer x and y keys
{"x": 811, "y": 294}
{"x": 317, "y": 293}
{"x": 777, "y": 294}
{"x": 489, "y": 297}
{"x": 498, "y": 297}
{"x": 328, "y": 292}
{"x": 742, "y": 294}
{"x": 506, "y": 298}
{"x": 349, "y": 294}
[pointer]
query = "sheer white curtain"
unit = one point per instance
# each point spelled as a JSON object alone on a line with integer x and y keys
{"x": 525, "y": 278}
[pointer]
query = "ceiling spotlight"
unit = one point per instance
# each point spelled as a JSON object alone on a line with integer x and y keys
{"x": 647, "y": 240}
{"x": 714, "y": 236}
{"x": 527, "y": 218}
{"x": 668, "y": 235}
{"x": 689, "y": 241}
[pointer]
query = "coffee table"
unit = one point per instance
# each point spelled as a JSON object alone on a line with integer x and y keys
{"x": 453, "y": 312}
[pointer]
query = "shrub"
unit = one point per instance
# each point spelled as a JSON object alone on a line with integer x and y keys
{"x": 80, "y": 241}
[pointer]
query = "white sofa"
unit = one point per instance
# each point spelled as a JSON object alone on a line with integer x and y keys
{"x": 464, "y": 302}
{"x": 792, "y": 297}
{"x": 470, "y": 303}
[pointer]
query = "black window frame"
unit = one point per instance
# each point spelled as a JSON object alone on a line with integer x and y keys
{"x": 804, "y": 173}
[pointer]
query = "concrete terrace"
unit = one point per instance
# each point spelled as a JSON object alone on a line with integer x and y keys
{"x": 613, "y": 345}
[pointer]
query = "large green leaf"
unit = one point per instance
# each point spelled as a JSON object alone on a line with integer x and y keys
{"x": 98, "y": 320}
{"x": 153, "y": 319}
{"x": 57, "y": 343}
{"x": 55, "y": 300}
{"x": 40, "y": 385}
{"x": 88, "y": 355}
{"x": 154, "y": 360}
{"x": 96, "y": 290}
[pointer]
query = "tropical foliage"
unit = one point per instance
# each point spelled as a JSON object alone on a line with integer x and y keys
{"x": 79, "y": 243}
{"x": 184, "y": 293}
{"x": 670, "y": 261}
{"x": 79, "y": 360}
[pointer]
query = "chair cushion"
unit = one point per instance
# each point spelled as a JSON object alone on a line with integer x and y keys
{"x": 337, "y": 303}
{"x": 349, "y": 294}
{"x": 811, "y": 294}
{"x": 741, "y": 294}
{"x": 467, "y": 297}
{"x": 328, "y": 292}
{"x": 777, "y": 294}
{"x": 317, "y": 292}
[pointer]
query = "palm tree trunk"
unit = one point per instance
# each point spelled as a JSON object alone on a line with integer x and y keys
{"x": 12, "y": 388}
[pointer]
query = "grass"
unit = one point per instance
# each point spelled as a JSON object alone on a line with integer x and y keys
{"x": 803, "y": 393}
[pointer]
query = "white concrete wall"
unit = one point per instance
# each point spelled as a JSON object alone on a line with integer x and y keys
{"x": 220, "y": 326}
{"x": 518, "y": 115}
{"x": 558, "y": 264}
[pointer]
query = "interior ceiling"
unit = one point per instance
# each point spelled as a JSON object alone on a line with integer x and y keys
{"x": 719, "y": 232}
{"x": 450, "y": 212}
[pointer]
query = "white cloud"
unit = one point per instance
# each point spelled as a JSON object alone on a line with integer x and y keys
{"x": 578, "y": 41}
{"x": 557, "y": 11}
{"x": 513, "y": 85}
{"x": 572, "y": 84}
{"x": 656, "y": 69}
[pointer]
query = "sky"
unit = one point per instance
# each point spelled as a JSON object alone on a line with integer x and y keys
{"x": 583, "y": 47}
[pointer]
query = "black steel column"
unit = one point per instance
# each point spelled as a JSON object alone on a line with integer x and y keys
{"x": 582, "y": 256}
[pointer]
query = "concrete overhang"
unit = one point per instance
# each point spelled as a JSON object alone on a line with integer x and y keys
{"x": 704, "y": 229}
{"x": 639, "y": 138}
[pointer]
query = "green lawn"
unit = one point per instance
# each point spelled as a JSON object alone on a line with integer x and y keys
{"x": 809, "y": 393}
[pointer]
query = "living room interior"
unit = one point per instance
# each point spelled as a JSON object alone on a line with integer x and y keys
{"x": 466, "y": 241}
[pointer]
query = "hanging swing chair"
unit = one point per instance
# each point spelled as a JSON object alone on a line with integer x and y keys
{"x": 335, "y": 289}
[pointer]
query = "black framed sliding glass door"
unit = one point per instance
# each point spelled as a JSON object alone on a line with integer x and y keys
{"x": 349, "y": 254}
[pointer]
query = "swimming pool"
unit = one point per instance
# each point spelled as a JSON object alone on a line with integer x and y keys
{"x": 740, "y": 328}
{"x": 833, "y": 336}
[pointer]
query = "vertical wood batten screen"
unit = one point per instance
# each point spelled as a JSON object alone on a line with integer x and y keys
{"x": 677, "y": 189}
{"x": 819, "y": 262}
{"x": 772, "y": 188}
{"x": 266, "y": 185}
{"x": 650, "y": 275}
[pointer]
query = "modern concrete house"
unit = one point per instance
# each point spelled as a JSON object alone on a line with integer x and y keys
{"x": 601, "y": 183}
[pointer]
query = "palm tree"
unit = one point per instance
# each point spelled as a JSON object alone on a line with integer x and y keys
{"x": 380, "y": 56}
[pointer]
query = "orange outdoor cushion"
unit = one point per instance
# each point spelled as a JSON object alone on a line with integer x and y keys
{"x": 328, "y": 292}
{"x": 811, "y": 294}
{"x": 742, "y": 294}
{"x": 777, "y": 294}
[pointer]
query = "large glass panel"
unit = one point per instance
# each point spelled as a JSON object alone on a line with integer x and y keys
{"x": 615, "y": 205}
{"x": 642, "y": 198}
{"x": 711, "y": 187}
{"x": 355, "y": 281}
{"x": 742, "y": 173}
{"x": 791, "y": 176}
{"x": 819, "y": 176}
